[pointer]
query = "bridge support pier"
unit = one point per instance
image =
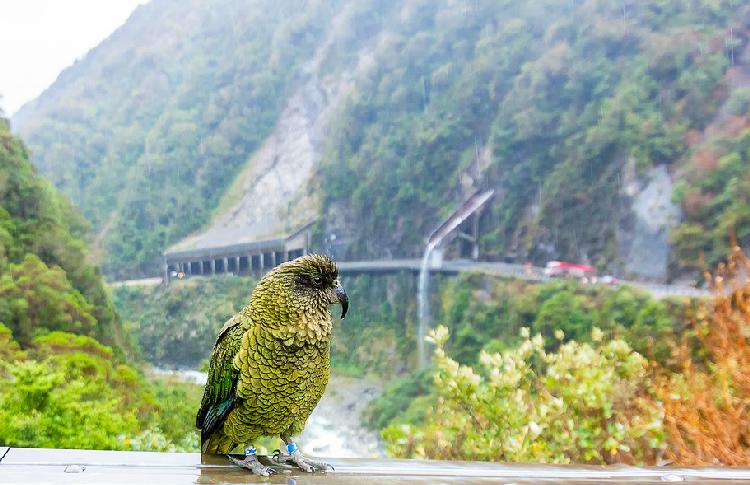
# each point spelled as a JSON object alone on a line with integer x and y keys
{"x": 475, "y": 236}
{"x": 423, "y": 305}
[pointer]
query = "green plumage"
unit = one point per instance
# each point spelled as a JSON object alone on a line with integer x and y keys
{"x": 270, "y": 363}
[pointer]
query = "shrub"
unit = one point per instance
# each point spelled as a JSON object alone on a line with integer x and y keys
{"x": 707, "y": 404}
{"x": 583, "y": 403}
{"x": 66, "y": 391}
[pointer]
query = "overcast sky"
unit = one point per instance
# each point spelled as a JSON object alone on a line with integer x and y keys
{"x": 40, "y": 38}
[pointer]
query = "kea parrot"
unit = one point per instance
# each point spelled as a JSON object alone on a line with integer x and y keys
{"x": 270, "y": 364}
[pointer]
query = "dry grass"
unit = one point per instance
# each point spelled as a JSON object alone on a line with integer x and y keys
{"x": 707, "y": 404}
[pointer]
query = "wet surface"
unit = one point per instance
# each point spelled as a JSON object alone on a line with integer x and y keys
{"x": 36, "y": 466}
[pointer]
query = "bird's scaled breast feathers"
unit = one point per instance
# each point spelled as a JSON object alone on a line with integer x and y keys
{"x": 282, "y": 361}
{"x": 279, "y": 388}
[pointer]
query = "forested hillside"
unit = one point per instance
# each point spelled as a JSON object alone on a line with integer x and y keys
{"x": 67, "y": 376}
{"x": 46, "y": 282}
{"x": 569, "y": 100}
{"x": 575, "y": 112}
{"x": 147, "y": 131}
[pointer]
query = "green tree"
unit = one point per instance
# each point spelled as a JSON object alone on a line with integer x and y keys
{"x": 35, "y": 298}
{"x": 567, "y": 312}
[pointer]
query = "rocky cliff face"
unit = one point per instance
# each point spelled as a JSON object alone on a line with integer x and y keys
{"x": 643, "y": 239}
{"x": 274, "y": 194}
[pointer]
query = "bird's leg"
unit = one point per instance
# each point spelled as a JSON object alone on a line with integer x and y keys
{"x": 251, "y": 463}
{"x": 295, "y": 456}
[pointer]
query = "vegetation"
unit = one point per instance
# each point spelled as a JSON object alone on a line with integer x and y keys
{"x": 529, "y": 405}
{"x": 715, "y": 193}
{"x": 486, "y": 314}
{"x": 67, "y": 391}
{"x": 594, "y": 402}
{"x": 707, "y": 402}
{"x": 46, "y": 283}
{"x": 60, "y": 385}
{"x": 379, "y": 333}
{"x": 405, "y": 400}
{"x": 176, "y": 325}
{"x": 565, "y": 96}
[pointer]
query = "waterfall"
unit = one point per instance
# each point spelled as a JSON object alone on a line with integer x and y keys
{"x": 423, "y": 297}
{"x": 467, "y": 208}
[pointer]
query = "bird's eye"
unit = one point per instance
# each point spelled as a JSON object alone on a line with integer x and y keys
{"x": 317, "y": 280}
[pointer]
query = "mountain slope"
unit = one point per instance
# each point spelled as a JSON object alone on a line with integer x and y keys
{"x": 573, "y": 100}
{"x": 231, "y": 120}
{"x": 147, "y": 131}
{"x": 287, "y": 162}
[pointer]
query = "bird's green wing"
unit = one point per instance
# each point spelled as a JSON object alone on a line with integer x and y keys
{"x": 219, "y": 396}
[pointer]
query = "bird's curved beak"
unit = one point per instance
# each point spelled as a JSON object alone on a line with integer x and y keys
{"x": 343, "y": 299}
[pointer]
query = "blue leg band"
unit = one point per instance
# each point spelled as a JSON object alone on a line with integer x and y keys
{"x": 250, "y": 451}
{"x": 291, "y": 448}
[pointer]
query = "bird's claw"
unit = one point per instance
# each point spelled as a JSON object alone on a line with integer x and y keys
{"x": 251, "y": 463}
{"x": 305, "y": 464}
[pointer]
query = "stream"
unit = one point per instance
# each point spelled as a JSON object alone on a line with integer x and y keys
{"x": 335, "y": 428}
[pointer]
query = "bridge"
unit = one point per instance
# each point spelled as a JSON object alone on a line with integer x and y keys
{"x": 495, "y": 269}
{"x": 501, "y": 270}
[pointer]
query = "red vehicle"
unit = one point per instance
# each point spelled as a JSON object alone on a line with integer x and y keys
{"x": 561, "y": 269}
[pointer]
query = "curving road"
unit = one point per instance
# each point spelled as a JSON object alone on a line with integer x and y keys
{"x": 505, "y": 270}
{"x": 502, "y": 270}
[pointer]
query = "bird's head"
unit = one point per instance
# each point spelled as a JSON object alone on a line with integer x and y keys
{"x": 310, "y": 283}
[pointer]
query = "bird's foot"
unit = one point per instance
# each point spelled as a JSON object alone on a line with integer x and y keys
{"x": 251, "y": 463}
{"x": 295, "y": 456}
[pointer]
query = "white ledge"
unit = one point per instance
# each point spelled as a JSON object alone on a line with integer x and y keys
{"x": 36, "y": 466}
